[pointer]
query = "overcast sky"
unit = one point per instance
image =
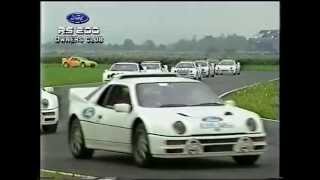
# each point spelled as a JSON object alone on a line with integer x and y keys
{"x": 164, "y": 22}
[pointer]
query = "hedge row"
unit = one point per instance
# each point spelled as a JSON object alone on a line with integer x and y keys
{"x": 170, "y": 60}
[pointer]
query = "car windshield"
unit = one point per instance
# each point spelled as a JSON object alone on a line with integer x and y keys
{"x": 151, "y": 66}
{"x": 227, "y": 62}
{"x": 185, "y": 65}
{"x": 203, "y": 64}
{"x": 124, "y": 67}
{"x": 176, "y": 94}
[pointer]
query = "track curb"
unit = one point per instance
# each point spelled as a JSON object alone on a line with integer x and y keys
{"x": 247, "y": 86}
{"x": 70, "y": 174}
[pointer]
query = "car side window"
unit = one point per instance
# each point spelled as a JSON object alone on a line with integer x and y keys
{"x": 118, "y": 95}
{"x": 104, "y": 97}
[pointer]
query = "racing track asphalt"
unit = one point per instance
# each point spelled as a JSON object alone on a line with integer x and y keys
{"x": 55, "y": 154}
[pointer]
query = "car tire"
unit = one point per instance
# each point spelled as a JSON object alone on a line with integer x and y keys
{"x": 66, "y": 65}
{"x": 76, "y": 142}
{"x": 50, "y": 128}
{"x": 246, "y": 160}
{"x": 83, "y": 65}
{"x": 140, "y": 147}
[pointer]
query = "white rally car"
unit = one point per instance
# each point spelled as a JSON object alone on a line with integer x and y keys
{"x": 49, "y": 111}
{"x": 161, "y": 116}
{"x": 154, "y": 66}
{"x": 228, "y": 66}
{"x": 188, "y": 69}
{"x": 205, "y": 67}
{"x": 121, "y": 68}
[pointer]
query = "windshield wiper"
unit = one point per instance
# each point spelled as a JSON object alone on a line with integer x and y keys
{"x": 208, "y": 104}
{"x": 173, "y": 105}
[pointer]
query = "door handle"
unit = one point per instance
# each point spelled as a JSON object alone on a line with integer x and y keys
{"x": 99, "y": 116}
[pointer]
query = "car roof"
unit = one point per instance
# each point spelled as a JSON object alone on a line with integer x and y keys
{"x": 125, "y": 63}
{"x": 150, "y": 62}
{"x": 227, "y": 60}
{"x": 133, "y": 81}
{"x": 201, "y": 61}
{"x": 185, "y": 62}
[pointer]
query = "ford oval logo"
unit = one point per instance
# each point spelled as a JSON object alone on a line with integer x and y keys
{"x": 212, "y": 119}
{"x": 77, "y": 18}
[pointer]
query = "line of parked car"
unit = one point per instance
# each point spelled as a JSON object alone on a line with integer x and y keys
{"x": 189, "y": 69}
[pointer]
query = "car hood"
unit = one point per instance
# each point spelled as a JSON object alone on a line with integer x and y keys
{"x": 153, "y": 70}
{"x": 119, "y": 72}
{"x": 184, "y": 69}
{"x": 226, "y": 67}
{"x": 88, "y": 61}
{"x": 53, "y": 99}
{"x": 160, "y": 120}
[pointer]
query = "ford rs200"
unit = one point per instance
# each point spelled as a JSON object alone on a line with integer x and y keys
{"x": 161, "y": 116}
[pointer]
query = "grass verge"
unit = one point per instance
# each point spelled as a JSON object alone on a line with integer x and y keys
{"x": 56, "y": 176}
{"x": 56, "y": 75}
{"x": 252, "y": 67}
{"x": 262, "y": 99}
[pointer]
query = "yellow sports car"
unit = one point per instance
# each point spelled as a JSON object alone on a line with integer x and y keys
{"x": 78, "y": 62}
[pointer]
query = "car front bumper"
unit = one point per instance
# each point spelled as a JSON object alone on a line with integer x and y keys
{"x": 192, "y": 76}
{"x": 205, "y": 73}
{"x": 49, "y": 116}
{"x": 225, "y": 71}
{"x": 207, "y": 146}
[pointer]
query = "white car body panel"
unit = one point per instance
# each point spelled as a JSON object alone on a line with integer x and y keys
{"x": 108, "y": 74}
{"x": 113, "y": 130}
{"x": 193, "y": 73}
{"x": 50, "y": 114}
{"x": 153, "y": 70}
{"x": 227, "y": 69}
{"x": 205, "y": 70}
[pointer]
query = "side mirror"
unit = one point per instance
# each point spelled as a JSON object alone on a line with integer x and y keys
{"x": 49, "y": 89}
{"x": 122, "y": 108}
{"x": 230, "y": 102}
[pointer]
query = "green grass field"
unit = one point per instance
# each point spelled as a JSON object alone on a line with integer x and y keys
{"x": 56, "y": 75}
{"x": 56, "y": 176}
{"x": 260, "y": 67}
{"x": 262, "y": 99}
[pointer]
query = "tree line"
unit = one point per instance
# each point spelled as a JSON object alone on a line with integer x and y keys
{"x": 206, "y": 45}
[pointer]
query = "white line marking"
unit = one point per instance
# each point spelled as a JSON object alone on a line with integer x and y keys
{"x": 247, "y": 86}
{"x": 243, "y": 87}
{"x": 70, "y": 85}
{"x": 69, "y": 174}
{"x": 272, "y": 120}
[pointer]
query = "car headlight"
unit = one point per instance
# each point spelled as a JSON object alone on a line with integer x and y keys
{"x": 179, "y": 127}
{"x": 45, "y": 103}
{"x": 251, "y": 124}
